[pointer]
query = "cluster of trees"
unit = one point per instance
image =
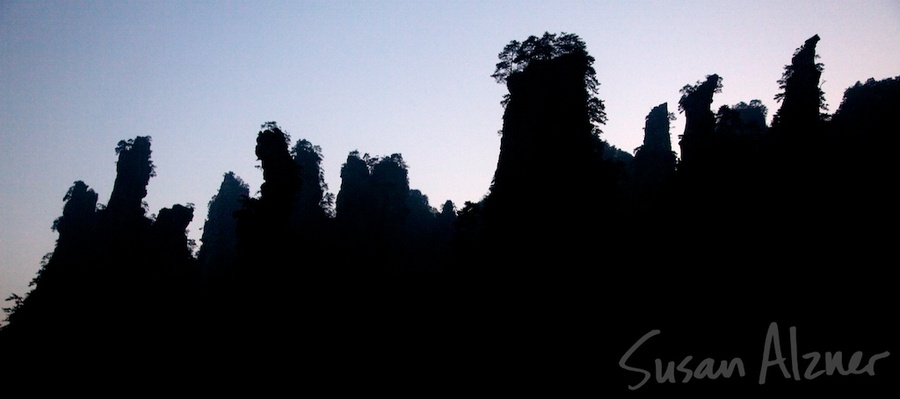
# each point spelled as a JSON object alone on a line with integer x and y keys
{"x": 567, "y": 221}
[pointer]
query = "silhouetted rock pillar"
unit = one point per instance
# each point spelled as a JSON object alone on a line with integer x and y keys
{"x": 133, "y": 172}
{"x": 546, "y": 170}
{"x": 218, "y": 250}
{"x": 697, "y": 142}
{"x": 267, "y": 272}
{"x": 801, "y": 99}
{"x": 51, "y": 316}
{"x": 654, "y": 161}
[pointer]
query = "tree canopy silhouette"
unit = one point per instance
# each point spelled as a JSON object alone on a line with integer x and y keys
{"x": 516, "y": 56}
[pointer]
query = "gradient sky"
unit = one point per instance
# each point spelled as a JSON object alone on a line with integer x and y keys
{"x": 380, "y": 77}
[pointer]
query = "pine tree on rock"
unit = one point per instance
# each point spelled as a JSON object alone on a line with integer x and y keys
{"x": 552, "y": 181}
{"x": 802, "y": 98}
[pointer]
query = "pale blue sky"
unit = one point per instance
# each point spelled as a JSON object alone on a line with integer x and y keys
{"x": 378, "y": 76}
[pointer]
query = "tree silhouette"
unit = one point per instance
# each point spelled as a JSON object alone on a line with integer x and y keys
{"x": 516, "y": 57}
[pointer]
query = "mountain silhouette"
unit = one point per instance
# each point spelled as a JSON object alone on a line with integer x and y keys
{"x": 577, "y": 251}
